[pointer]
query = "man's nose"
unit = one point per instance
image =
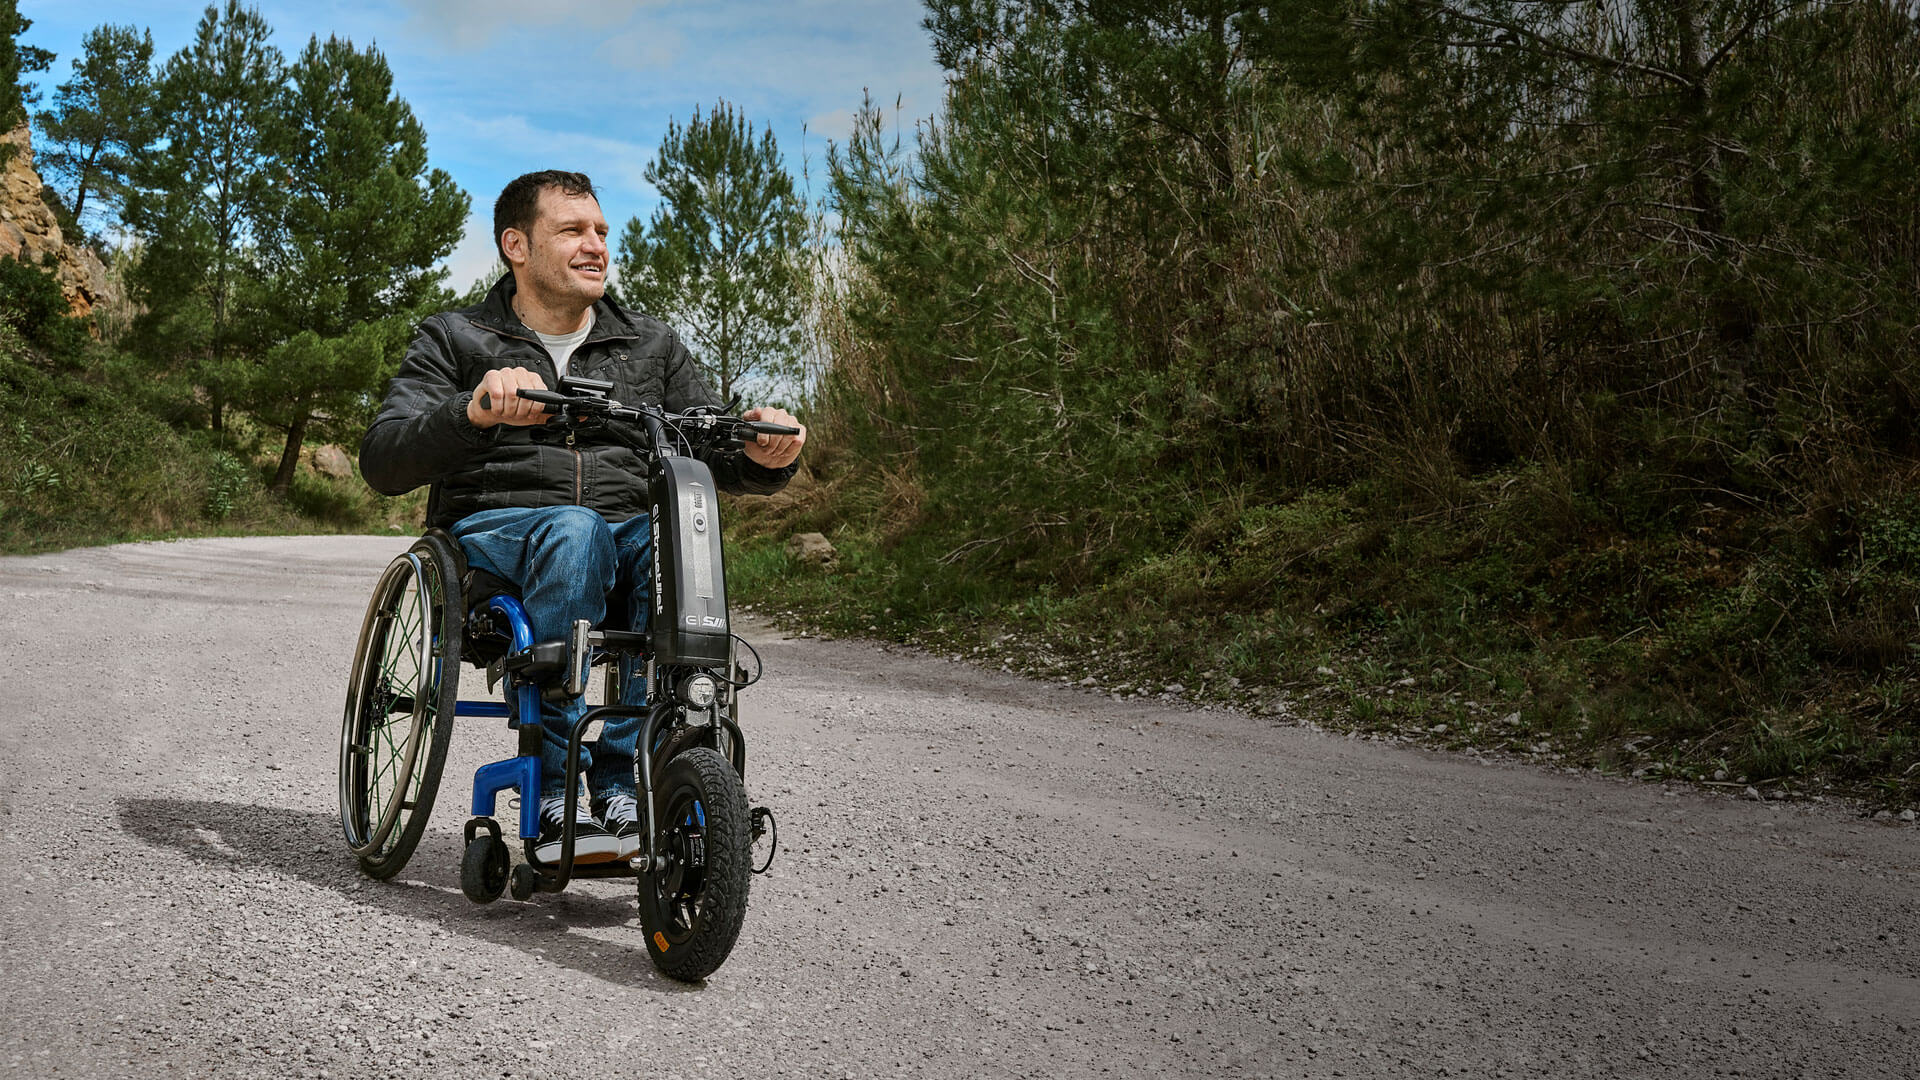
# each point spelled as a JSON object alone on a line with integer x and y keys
{"x": 595, "y": 242}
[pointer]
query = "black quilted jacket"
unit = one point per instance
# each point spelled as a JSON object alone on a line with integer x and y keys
{"x": 422, "y": 435}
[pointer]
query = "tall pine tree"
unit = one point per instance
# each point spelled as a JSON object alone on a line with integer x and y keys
{"x": 351, "y": 232}
{"x": 721, "y": 257}
{"x": 195, "y": 203}
{"x": 16, "y": 60}
{"x": 102, "y": 119}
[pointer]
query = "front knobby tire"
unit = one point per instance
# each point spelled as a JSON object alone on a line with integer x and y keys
{"x": 692, "y": 908}
{"x": 399, "y": 710}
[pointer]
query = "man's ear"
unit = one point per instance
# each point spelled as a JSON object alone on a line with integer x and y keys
{"x": 513, "y": 243}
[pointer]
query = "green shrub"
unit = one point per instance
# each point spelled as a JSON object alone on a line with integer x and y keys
{"x": 31, "y": 302}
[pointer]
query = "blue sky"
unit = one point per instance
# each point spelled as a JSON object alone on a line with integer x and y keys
{"x": 506, "y": 87}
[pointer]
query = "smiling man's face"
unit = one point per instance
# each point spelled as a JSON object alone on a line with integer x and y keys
{"x": 567, "y": 253}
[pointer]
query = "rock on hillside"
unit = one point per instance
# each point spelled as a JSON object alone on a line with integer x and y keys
{"x": 28, "y": 230}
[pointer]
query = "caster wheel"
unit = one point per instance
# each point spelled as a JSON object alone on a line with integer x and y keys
{"x": 525, "y": 881}
{"x": 483, "y": 870}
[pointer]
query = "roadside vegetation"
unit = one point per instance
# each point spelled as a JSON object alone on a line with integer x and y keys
{"x": 91, "y": 458}
{"x": 1530, "y": 375}
{"x": 1517, "y": 375}
{"x": 246, "y": 321}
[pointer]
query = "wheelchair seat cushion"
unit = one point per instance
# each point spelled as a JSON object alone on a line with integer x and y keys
{"x": 478, "y": 586}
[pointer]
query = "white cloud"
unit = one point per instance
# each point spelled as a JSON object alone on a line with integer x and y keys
{"x": 474, "y": 257}
{"x": 652, "y": 49}
{"x": 473, "y": 24}
{"x": 617, "y": 166}
{"x": 832, "y": 126}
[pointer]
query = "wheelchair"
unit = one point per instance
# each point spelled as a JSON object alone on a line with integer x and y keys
{"x": 430, "y": 613}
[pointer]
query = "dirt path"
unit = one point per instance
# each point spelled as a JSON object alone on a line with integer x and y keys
{"x": 981, "y": 877}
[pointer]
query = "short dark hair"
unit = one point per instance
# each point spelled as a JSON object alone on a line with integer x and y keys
{"x": 519, "y": 201}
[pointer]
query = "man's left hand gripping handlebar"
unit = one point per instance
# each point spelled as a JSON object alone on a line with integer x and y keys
{"x": 775, "y": 451}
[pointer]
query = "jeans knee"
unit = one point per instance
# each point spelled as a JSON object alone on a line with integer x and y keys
{"x": 577, "y": 527}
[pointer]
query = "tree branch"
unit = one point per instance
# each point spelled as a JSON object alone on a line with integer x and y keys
{"x": 1741, "y": 34}
{"x": 1554, "y": 48}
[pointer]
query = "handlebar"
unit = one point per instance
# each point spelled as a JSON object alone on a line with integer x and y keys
{"x": 544, "y": 397}
{"x": 720, "y": 429}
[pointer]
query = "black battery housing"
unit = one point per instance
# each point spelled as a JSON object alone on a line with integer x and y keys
{"x": 689, "y": 623}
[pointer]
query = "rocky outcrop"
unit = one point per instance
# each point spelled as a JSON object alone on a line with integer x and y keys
{"x": 28, "y": 230}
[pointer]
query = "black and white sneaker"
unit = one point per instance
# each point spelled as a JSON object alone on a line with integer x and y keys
{"x": 591, "y": 843}
{"x": 619, "y": 814}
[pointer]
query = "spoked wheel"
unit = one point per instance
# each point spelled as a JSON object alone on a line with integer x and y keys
{"x": 692, "y": 908}
{"x": 399, "y": 712}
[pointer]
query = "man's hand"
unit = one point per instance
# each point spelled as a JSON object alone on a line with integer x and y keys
{"x": 500, "y": 389}
{"x": 775, "y": 451}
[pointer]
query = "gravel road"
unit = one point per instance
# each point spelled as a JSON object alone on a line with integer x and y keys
{"x": 980, "y": 877}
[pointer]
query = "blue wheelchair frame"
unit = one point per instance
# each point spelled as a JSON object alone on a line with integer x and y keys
{"x": 522, "y": 773}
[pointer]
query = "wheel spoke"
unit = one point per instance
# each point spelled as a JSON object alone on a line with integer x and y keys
{"x": 392, "y": 734}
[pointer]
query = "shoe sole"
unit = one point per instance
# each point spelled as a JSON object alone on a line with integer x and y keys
{"x": 629, "y": 846}
{"x": 586, "y": 851}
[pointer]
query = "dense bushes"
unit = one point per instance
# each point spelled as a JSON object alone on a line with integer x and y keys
{"x": 1563, "y": 353}
{"x": 90, "y": 458}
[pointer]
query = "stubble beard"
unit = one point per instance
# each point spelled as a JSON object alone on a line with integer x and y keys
{"x": 556, "y": 288}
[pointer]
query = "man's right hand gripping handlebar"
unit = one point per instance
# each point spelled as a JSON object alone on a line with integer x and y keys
{"x": 497, "y": 400}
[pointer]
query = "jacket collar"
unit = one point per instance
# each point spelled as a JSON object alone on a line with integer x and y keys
{"x": 495, "y": 313}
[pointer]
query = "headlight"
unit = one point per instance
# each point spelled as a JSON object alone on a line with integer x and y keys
{"x": 697, "y": 691}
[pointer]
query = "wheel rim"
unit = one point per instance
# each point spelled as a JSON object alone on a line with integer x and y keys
{"x": 680, "y": 889}
{"x": 391, "y": 705}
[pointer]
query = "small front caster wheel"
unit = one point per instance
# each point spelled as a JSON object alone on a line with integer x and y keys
{"x": 483, "y": 870}
{"x": 525, "y": 881}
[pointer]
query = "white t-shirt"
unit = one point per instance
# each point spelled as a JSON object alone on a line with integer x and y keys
{"x": 561, "y": 346}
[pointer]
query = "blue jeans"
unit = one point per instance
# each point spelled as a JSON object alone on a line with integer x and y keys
{"x": 566, "y": 559}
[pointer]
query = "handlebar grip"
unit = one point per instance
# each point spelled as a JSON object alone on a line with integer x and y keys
{"x": 759, "y": 428}
{"x": 544, "y": 397}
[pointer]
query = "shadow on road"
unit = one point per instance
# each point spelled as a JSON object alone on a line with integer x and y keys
{"x": 307, "y": 846}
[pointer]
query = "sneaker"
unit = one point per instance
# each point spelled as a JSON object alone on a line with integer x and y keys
{"x": 619, "y": 814}
{"x": 591, "y": 843}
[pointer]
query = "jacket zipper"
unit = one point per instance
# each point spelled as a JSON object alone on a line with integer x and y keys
{"x": 578, "y": 468}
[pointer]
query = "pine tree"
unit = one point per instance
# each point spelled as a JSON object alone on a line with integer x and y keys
{"x": 102, "y": 120}
{"x": 16, "y": 60}
{"x": 351, "y": 233}
{"x": 195, "y": 202}
{"x": 721, "y": 257}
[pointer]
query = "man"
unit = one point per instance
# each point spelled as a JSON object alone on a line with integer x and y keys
{"x": 562, "y": 518}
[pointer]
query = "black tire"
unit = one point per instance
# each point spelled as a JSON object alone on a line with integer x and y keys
{"x": 692, "y": 909}
{"x": 525, "y": 882}
{"x": 483, "y": 869}
{"x": 399, "y": 710}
